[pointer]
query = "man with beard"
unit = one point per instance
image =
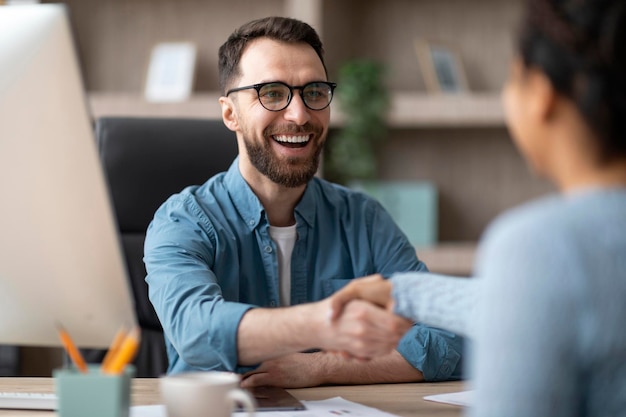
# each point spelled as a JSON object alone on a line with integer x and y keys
{"x": 239, "y": 268}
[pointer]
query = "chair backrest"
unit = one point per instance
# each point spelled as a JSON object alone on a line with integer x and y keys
{"x": 145, "y": 161}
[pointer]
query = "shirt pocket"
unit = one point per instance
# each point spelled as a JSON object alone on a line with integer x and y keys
{"x": 332, "y": 285}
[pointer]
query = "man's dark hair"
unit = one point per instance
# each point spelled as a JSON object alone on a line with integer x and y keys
{"x": 581, "y": 47}
{"x": 277, "y": 28}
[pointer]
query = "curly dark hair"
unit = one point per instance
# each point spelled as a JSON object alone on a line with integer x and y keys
{"x": 278, "y": 28}
{"x": 581, "y": 47}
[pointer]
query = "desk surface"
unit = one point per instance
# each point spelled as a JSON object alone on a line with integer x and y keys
{"x": 405, "y": 400}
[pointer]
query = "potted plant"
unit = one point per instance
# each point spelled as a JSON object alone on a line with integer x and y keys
{"x": 363, "y": 100}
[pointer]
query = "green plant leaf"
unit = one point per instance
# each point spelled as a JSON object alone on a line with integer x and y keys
{"x": 364, "y": 101}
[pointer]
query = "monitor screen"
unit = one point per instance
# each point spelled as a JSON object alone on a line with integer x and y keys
{"x": 60, "y": 258}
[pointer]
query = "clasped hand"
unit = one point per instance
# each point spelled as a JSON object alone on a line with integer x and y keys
{"x": 362, "y": 324}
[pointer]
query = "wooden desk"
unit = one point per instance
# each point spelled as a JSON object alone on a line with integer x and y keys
{"x": 405, "y": 400}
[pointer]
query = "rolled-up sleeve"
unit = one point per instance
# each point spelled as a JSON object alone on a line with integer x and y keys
{"x": 202, "y": 329}
{"x": 436, "y": 353}
{"x": 198, "y": 322}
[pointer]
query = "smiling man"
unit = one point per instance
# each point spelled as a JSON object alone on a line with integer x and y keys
{"x": 240, "y": 268}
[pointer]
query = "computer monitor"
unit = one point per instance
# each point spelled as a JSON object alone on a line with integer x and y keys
{"x": 60, "y": 257}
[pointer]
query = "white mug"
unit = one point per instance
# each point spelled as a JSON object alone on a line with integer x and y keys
{"x": 204, "y": 394}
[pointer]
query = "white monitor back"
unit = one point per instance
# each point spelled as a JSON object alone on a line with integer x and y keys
{"x": 60, "y": 258}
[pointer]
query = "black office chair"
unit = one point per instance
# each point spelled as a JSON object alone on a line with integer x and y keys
{"x": 145, "y": 161}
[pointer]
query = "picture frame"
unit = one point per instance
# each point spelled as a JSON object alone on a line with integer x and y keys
{"x": 171, "y": 72}
{"x": 441, "y": 67}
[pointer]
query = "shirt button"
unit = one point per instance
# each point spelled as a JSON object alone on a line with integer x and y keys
{"x": 268, "y": 249}
{"x": 251, "y": 222}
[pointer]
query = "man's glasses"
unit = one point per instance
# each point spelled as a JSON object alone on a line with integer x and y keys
{"x": 276, "y": 95}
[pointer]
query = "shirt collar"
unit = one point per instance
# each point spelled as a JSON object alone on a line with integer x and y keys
{"x": 306, "y": 207}
{"x": 247, "y": 203}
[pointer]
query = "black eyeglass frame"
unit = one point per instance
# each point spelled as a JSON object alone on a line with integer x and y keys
{"x": 259, "y": 86}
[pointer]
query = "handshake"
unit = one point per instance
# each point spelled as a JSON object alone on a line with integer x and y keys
{"x": 361, "y": 323}
{"x": 356, "y": 322}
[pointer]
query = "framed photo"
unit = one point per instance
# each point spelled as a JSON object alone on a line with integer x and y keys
{"x": 441, "y": 67}
{"x": 171, "y": 72}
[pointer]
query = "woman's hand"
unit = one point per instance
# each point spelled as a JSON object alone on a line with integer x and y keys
{"x": 374, "y": 289}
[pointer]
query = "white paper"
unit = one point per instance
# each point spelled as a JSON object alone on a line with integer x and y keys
{"x": 463, "y": 398}
{"x": 148, "y": 411}
{"x": 332, "y": 407}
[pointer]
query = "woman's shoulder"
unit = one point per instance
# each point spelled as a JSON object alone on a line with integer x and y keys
{"x": 526, "y": 238}
{"x": 558, "y": 214}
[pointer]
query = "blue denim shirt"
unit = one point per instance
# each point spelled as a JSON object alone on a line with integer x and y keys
{"x": 210, "y": 258}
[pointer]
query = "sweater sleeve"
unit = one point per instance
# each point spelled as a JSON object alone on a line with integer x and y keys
{"x": 436, "y": 300}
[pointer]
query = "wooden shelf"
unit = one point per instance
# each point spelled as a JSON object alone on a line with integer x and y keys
{"x": 408, "y": 110}
{"x": 411, "y": 110}
{"x": 453, "y": 258}
{"x": 133, "y": 104}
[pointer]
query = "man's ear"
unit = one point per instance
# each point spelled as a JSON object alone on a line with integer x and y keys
{"x": 229, "y": 114}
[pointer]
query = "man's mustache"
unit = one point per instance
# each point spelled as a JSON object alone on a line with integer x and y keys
{"x": 293, "y": 129}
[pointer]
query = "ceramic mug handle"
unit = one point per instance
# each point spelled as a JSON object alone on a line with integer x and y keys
{"x": 245, "y": 399}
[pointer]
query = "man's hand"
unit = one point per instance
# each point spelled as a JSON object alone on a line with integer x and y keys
{"x": 374, "y": 289}
{"x": 298, "y": 370}
{"x": 363, "y": 330}
{"x": 301, "y": 370}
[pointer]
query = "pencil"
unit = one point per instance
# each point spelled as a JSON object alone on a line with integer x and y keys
{"x": 114, "y": 348}
{"x": 125, "y": 353}
{"x": 71, "y": 349}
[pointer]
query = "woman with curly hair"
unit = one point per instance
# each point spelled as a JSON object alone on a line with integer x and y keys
{"x": 547, "y": 305}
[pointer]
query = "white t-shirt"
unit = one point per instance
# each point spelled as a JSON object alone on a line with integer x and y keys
{"x": 285, "y": 239}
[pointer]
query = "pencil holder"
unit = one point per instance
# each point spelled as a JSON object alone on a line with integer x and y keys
{"x": 93, "y": 393}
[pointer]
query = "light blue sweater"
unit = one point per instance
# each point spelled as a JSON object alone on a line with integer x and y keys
{"x": 547, "y": 311}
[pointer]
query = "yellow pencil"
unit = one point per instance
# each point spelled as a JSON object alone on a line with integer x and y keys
{"x": 125, "y": 353}
{"x": 71, "y": 349}
{"x": 114, "y": 348}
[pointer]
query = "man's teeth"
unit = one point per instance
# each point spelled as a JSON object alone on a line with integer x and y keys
{"x": 291, "y": 139}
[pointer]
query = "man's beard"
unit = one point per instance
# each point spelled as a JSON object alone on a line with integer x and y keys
{"x": 288, "y": 172}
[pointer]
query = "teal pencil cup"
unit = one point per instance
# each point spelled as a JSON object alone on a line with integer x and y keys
{"x": 94, "y": 393}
